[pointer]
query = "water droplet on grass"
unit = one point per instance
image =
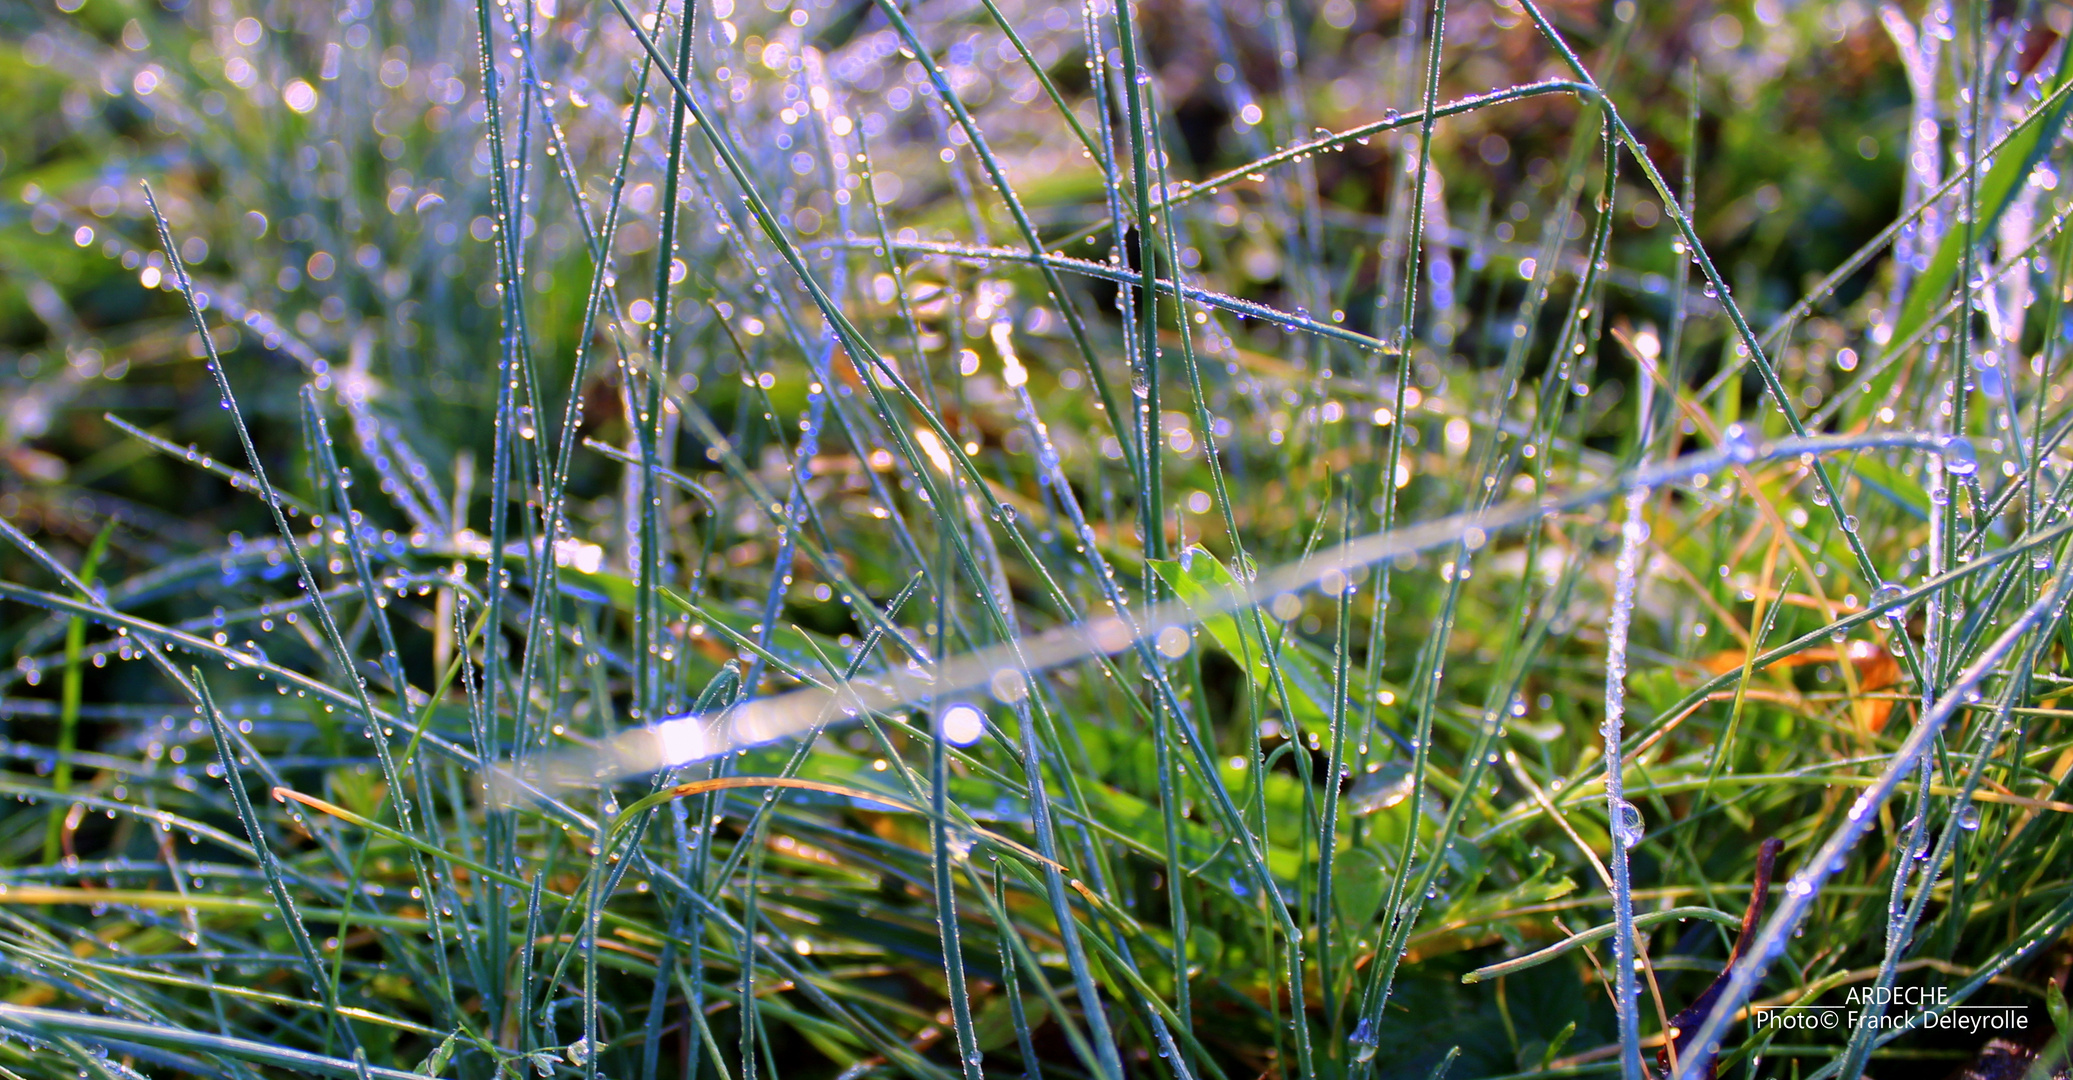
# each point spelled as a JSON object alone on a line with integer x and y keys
{"x": 1627, "y": 824}
{"x": 1958, "y": 456}
{"x": 1364, "y": 1041}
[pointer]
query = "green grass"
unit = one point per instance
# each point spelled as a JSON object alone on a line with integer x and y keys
{"x": 852, "y": 540}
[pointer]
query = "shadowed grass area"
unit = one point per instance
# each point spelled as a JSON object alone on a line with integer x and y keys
{"x": 750, "y": 540}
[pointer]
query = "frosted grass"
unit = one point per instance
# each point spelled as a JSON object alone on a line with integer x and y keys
{"x": 980, "y": 628}
{"x": 1004, "y": 671}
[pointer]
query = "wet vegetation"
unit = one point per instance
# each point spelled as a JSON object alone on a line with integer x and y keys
{"x": 787, "y": 538}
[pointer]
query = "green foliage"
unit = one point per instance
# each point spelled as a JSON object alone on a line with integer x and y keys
{"x": 861, "y": 539}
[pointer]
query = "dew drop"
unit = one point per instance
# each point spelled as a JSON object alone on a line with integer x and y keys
{"x": 1627, "y": 824}
{"x": 1958, "y": 456}
{"x": 1738, "y": 443}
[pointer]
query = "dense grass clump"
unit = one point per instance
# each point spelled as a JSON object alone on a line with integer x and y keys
{"x": 775, "y": 538}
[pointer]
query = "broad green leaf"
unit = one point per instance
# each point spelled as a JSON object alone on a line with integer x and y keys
{"x": 1899, "y": 490}
{"x": 1200, "y": 581}
{"x": 1358, "y": 882}
{"x": 1996, "y": 189}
